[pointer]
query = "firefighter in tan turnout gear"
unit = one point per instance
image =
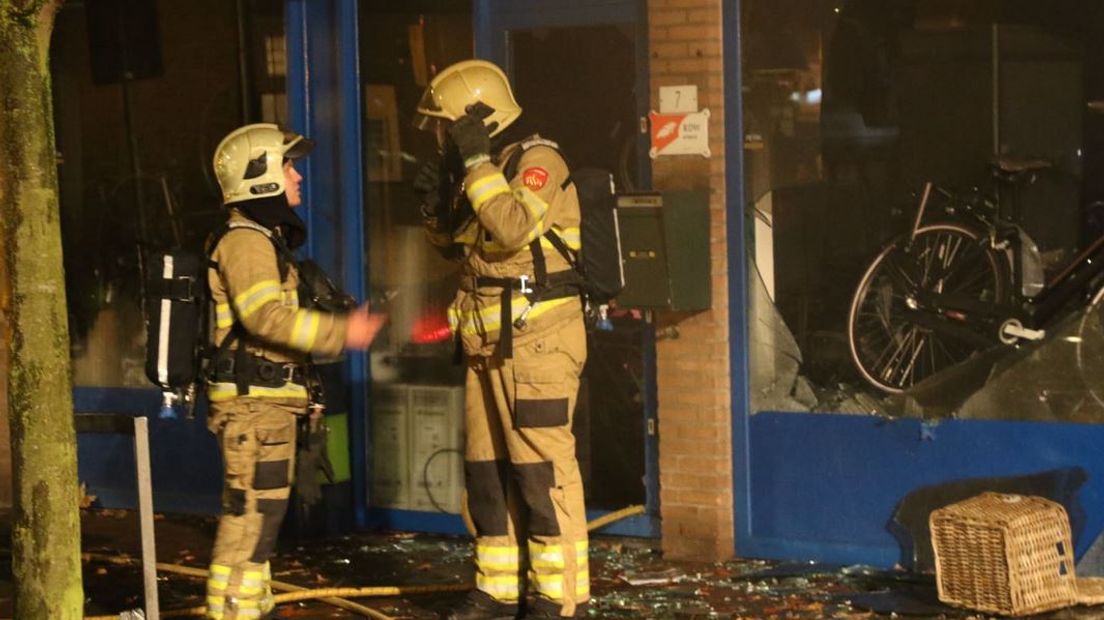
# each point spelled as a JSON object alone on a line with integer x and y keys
{"x": 519, "y": 316}
{"x": 258, "y": 375}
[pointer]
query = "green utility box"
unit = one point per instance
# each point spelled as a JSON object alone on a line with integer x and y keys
{"x": 665, "y": 249}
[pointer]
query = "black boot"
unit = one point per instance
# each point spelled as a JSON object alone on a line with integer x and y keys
{"x": 540, "y": 607}
{"x": 480, "y": 606}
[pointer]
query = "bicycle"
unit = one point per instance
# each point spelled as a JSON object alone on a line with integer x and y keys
{"x": 961, "y": 282}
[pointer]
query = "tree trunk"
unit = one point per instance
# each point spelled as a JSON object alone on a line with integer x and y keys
{"x": 45, "y": 514}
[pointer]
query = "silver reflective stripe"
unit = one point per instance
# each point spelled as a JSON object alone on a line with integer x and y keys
{"x": 163, "y": 328}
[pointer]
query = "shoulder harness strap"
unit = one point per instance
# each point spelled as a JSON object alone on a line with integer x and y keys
{"x": 284, "y": 257}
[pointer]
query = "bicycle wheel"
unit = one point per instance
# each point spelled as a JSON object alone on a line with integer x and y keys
{"x": 890, "y": 350}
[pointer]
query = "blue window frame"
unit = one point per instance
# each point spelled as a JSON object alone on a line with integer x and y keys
{"x": 825, "y": 486}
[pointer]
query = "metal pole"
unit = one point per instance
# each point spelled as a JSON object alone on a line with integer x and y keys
{"x": 145, "y": 515}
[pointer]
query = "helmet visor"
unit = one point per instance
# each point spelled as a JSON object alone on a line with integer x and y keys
{"x": 296, "y": 146}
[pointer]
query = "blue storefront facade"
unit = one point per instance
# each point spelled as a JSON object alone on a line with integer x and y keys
{"x": 806, "y": 483}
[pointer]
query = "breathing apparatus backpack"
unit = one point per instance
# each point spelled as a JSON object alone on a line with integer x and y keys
{"x": 178, "y": 311}
{"x": 598, "y": 264}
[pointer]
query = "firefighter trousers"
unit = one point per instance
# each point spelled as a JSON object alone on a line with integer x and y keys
{"x": 257, "y": 440}
{"x": 524, "y": 490}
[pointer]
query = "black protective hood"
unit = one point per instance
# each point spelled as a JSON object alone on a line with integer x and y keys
{"x": 273, "y": 213}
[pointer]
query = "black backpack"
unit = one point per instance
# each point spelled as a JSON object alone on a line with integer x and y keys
{"x": 178, "y": 311}
{"x": 599, "y": 262}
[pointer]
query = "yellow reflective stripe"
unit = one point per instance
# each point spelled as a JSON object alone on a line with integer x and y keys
{"x": 217, "y": 585}
{"x": 219, "y": 569}
{"x": 570, "y": 235}
{"x": 245, "y": 604}
{"x": 496, "y": 558}
{"x": 546, "y": 556}
{"x": 256, "y": 296}
{"x": 216, "y": 603}
{"x": 536, "y": 205}
{"x": 218, "y": 392}
{"x": 582, "y": 551}
{"x": 252, "y": 582}
{"x": 488, "y": 319}
{"x": 582, "y": 584}
{"x": 305, "y": 330}
{"x": 223, "y": 316}
{"x": 455, "y": 316}
{"x": 486, "y": 188}
{"x": 499, "y": 588}
{"x": 549, "y": 585}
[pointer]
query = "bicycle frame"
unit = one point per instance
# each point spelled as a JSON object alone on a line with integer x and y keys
{"x": 974, "y": 320}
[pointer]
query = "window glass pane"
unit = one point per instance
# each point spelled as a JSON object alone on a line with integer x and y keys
{"x": 851, "y": 107}
{"x": 135, "y": 167}
{"x": 417, "y": 394}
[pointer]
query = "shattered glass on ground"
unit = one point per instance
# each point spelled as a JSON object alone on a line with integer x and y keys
{"x": 630, "y": 578}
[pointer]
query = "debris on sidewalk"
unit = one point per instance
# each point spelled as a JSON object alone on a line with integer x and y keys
{"x": 630, "y": 578}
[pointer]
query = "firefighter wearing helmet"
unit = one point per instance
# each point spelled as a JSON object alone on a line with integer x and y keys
{"x": 263, "y": 334}
{"x": 508, "y": 212}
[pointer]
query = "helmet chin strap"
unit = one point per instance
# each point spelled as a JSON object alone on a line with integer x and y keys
{"x": 273, "y": 213}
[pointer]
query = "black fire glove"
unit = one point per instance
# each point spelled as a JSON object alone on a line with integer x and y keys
{"x": 427, "y": 183}
{"x": 471, "y": 137}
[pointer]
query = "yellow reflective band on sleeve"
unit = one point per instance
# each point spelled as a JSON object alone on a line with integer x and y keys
{"x": 582, "y": 551}
{"x": 489, "y": 318}
{"x": 256, "y": 296}
{"x": 215, "y": 585}
{"x": 546, "y": 556}
{"x": 486, "y": 188}
{"x": 537, "y": 207}
{"x": 215, "y": 605}
{"x": 223, "y": 316}
{"x": 571, "y": 236}
{"x": 219, "y": 392}
{"x": 493, "y": 247}
{"x": 455, "y": 318}
{"x": 305, "y": 330}
{"x": 504, "y": 589}
{"x": 490, "y": 559}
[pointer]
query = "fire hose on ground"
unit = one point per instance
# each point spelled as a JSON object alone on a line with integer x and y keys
{"x": 335, "y": 596}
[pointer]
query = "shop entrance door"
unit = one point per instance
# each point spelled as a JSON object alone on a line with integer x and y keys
{"x": 579, "y": 71}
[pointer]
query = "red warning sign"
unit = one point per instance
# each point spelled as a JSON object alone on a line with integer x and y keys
{"x": 683, "y": 133}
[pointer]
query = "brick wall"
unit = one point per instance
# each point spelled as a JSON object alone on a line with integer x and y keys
{"x": 694, "y": 405}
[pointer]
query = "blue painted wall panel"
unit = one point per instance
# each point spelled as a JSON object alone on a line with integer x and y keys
{"x": 184, "y": 457}
{"x": 825, "y": 486}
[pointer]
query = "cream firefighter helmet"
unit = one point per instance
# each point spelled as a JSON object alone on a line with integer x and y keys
{"x": 464, "y": 83}
{"x": 249, "y": 162}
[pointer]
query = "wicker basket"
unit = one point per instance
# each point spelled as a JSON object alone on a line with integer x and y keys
{"x": 1004, "y": 554}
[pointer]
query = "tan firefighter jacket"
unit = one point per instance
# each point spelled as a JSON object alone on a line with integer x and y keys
{"x": 246, "y": 288}
{"x": 509, "y": 214}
